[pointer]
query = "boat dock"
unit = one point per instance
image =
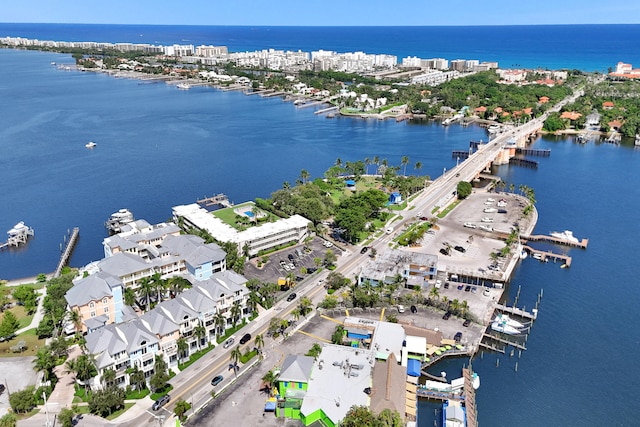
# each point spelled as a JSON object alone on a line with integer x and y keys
{"x": 68, "y": 250}
{"x": 219, "y": 201}
{"x": 518, "y": 312}
{"x": 436, "y": 359}
{"x": 326, "y": 110}
{"x": 503, "y": 341}
{"x": 545, "y": 256}
{"x": 582, "y": 244}
{"x": 470, "y": 397}
{"x": 18, "y": 235}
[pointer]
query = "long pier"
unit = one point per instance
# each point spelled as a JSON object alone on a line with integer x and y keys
{"x": 326, "y": 110}
{"x": 470, "y": 397}
{"x": 517, "y": 312}
{"x": 68, "y": 250}
{"x": 534, "y": 152}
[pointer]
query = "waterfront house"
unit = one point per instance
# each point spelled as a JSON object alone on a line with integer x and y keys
{"x": 592, "y": 121}
{"x": 98, "y": 301}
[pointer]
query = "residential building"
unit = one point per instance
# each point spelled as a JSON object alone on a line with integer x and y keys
{"x": 98, "y": 301}
{"x": 254, "y": 239}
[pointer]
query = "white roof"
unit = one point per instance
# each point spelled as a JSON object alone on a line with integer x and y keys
{"x": 416, "y": 345}
{"x": 335, "y": 389}
{"x": 203, "y": 219}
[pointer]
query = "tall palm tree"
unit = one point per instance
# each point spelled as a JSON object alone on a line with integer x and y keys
{"x": 145, "y": 289}
{"x": 464, "y": 306}
{"x": 367, "y": 162}
{"x": 182, "y": 345}
{"x": 404, "y": 162}
{"x": 220, "y": 322}
{"x": 129, "y": 297}
{"x": 234, "y": 357}
{"x": 304, "y": 176}
{"x": 44, "y": 362}
{"x": 338, "y": 162}
{"x": 418, "y": 166}
{"x": 108, "y": 377}
{"x": 305, "y": 306}
{"x": 236, "y": 312}
{"x": 270, "y": 379}
{"x": 376, "y": 161}
{"x": 258, "y": 342}
{"x": 200, "y": 332}
{"x": 253, "y": 301}
{"x": 433, "y": 293}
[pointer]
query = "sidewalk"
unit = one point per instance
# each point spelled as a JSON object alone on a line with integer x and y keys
{"x": 38, "y": 315}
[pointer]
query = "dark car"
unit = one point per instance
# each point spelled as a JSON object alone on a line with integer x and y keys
{"x": 291, "y": 297}
{"x": 466, "y": 323}
{"x": 245, "y": 338}
{"x": 413, "y": 309}
{"x": 290, "y": 256}
{"x": 460, "y": 287}
{"x": 460, "y": 249}
{"x": 444, "y": 251}
{"x": 217, "y": 380}
{"x": 161, "y": 402}
{"x": 447, "y": 315}
{"x": 446, "y": 285}
{"x": 364, "y": 249}
{"x": 502, "y": 211}
{"x": 458, "y": 337}
{"x": 467, "y": 288}
{"x": 1, "y": 388}
{"x": 424, "y": 218}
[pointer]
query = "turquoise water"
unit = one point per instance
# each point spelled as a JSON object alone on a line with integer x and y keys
{"x": 158, "y": 146}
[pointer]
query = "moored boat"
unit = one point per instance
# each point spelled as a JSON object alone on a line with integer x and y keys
{"x": 566, "y": 235}
{"x": 504, "y": 328}
{"x": 118, "y": 219}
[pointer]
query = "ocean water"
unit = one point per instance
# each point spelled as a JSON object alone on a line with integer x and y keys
{"x": 158, "y": 146}
{"x": 584, "y": 47}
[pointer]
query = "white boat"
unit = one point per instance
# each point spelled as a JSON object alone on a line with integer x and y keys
{"x": 504, "y": 328}
{"x": 566, "y": 235}
{"x": 523, "y": 254}
{"x": 504, "y": 318}
{"x": 183, "y": 86}
{"x": 19, "y": 229}
{"x": 637, "y": 141}
{"x": 90, "y": 144}
{"x": 537, "y": 256}
{"x": 118, "y": 219}
{"x": 493, "y": 129}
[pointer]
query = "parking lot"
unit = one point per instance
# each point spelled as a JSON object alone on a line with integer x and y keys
{"x": 290, "y": 260}
{"x": 464, "y": 248}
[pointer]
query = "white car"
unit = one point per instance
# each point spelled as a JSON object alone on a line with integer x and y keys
{"x": 488, "y": 203}
{"x": 487, "y": 219}
{"x": 400, "y": 308}
{"x": 438, "y": 284}
{"x": 486, "y": 228}
{"x": 491, "y": 200}
{"x": 470, "y": 225}
{"x": 490, "y": 210}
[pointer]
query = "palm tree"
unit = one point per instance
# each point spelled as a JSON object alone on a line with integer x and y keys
{"x": 76, "y": 319}
{"x": 367, "y": 162}
{"x": 305, "y": 306}
{"x": 304, "y": 176}
{"x": 269, "y": 379}
{"x": 44, "y": 362}
{"x": 418, "y": 166}
{"x": 129, "y": 297}
{"x": 404, "y": 162}
{"x": 464, "y": 307}
{"x": 182, "y": 345}
{"x": 338, "y": 162}
{"x": 253, "y": 301}
{"x": 286, "y": 186}
{"x": 220, "y": 322}
{"x": 455, "y": 305}
{"x": 145, "y": 290}
{"x": 258, "y": 342}
{"x": 376, "y": 161}
{"x": 433, "y": 293}
{"x": 108, "y": 377}
{"x": 236, "y": 312}
{"x": 200, "y": 332}
{"x": 234, "y": 357}
{"x": 512, "y": 187}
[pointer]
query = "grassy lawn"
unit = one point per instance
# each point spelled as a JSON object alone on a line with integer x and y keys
{"x": 21, "y": 315}
{"x": 448, "y": 209}
{"x": 158, "y": 394}
{"x": 82, "y": 409}
{"x": 120, "y": 412}
{"x": 399, "y": 207}
{"x": 31, "y": 340}
{"x": 228, "y": 216}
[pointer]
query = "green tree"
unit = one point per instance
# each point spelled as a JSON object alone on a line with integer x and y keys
{"x": 234, "y": 357}
{"x": 258, "y": 342}
{"x": 25, "y": 295}
{"x": 404, "y": 162}
{"x": 44, "y": 362}
{"x": 269, "y": 378}
{"x": 23, "y": 401}
{"x": 181, "y": 409}
{"x": 136, "y": 378}
{"x": 338, "y": 334}
{"x": 183, "y": 346}
{"x": 145, "y": 290}
{"x": 108, "y": 377}
{"x": 200, "y": 332}
{"x": 106, "y": 401}
{"x": 236, "y": 312}
{"x": 9, "y": 324}
{"x": 41, "y": 278}
{"x": 65, "y": 417}
{"x": 463, "y": 189}
{"x": 160, "y": 376}
{"x": 9, "y": 420}
{"x": 418, "y": 166}
{"x": 330, "y": 258}
{"x": 220, "y": 322}
{"x": 129, "y": 297}
{"x": 314, "y": 351}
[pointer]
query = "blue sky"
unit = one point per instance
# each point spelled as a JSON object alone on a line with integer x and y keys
{"x": 323, "y": 12}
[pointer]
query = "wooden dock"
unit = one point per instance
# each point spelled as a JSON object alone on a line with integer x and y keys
{"x": 448, "y": 353}
{"x": 470, "y": 398}
{"x": 545, "y": 256}
{"x": 517, "y": 312}
{"x": 68, "y": 250}
{"x": 503, "y": 341}
{"x": 217, "y": 200}
{"x": 492, "y": 347}
{"x": 582, "y": 244}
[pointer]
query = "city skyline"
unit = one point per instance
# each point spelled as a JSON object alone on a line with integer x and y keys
{"x": 332, "y": 13}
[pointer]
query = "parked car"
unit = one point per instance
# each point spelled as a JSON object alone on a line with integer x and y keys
{"x": 228, "y": 343}
{"x": 446, "y": 285}
{"x": 400, "y": 308}
{"x": 444, "y": 251}
{"x": 414, "y": 309}
{"x": 217, "y": 380}
{"x": 458, "y": 337}
{"x": 161, "y": 402}
{"x": 460, "y": 287}
{"x": 438, "y": 284}
{"x": 291, "y": 297}
{"x": 486, "y": 292}
{"x": 460, "y": 249}
{"x": 447, "y": 315}
{"x": 2, "y": 388}
{"x": 245, "y": 338}
{"x": 467, "y": 288}
{"x": 466, "y": 323}
{"x": 290, "y": 256}
{"x": 469, "y": 225}
{"x": 474, "y": 290}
